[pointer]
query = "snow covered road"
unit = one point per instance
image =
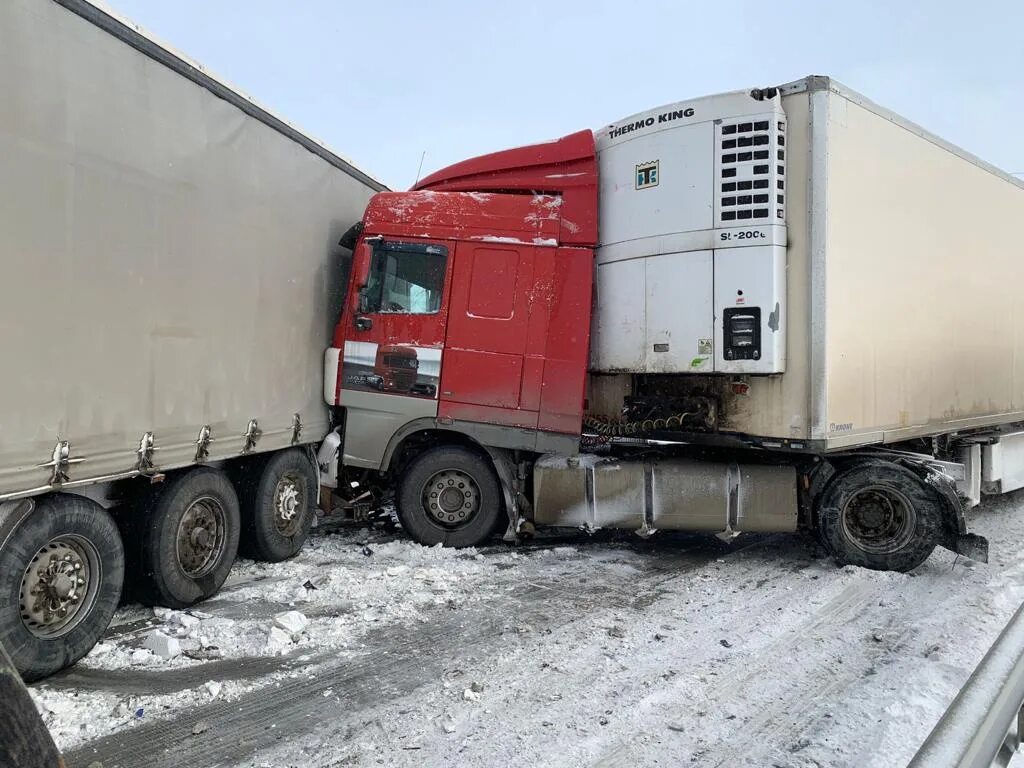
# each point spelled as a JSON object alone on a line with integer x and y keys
{"x": 681, "y": 650}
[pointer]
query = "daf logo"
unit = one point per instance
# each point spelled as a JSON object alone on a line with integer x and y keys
{"x": 647, "y": 175}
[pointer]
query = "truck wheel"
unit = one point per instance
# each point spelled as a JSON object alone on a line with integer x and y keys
{"x": 278, "y": 505}
{"x": 880, "y": 515}
{"x": 449, "y": 496}
{"x": 61, "y": 571}
{"x": 190, "y": 539}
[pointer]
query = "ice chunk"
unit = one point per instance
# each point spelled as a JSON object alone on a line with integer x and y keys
{"x": 163, "y": 646}
{"x": 292, "y": 622}
{"x": 278, "y": 638}
{"x": 213, "y": 688}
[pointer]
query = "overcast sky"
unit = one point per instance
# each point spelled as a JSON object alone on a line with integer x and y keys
{"x": 382, "y": 82}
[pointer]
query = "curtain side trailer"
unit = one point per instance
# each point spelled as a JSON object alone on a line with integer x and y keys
{"x": 170, "y": 273}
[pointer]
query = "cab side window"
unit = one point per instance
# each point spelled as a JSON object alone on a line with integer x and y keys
{"x": 405, "y": 278}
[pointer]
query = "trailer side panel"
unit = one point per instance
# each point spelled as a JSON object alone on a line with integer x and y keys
{"x": 925, "y": 317}
{"x": 169, "y": 260}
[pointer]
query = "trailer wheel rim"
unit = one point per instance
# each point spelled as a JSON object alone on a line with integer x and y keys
{"x": 451, "y": 498}
{"x": 289, "y": 503}
{"x": 60, "y": 585}
{"x": 879, "y": 520}
{"x": 202, "y": 533}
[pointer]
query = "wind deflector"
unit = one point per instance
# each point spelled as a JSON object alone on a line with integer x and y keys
{"x": 348, "y": 240}
{"x": 566, "y": 167}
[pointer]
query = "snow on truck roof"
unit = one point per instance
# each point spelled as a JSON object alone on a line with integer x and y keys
{"x": 110, "y": 21}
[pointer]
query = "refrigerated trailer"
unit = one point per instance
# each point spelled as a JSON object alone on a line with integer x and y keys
{"x": 170, "y": 275}
{"x": 764, "y": 310}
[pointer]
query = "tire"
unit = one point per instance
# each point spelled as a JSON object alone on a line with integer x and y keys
{"x": 881, "y": 516}
{"x": 278, "y": 499}
{"x": 190, "y": 539}
{"x": 449, "y": 466}
{"x": 63, "y": 531}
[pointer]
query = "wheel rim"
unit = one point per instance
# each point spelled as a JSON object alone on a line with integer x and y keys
{"x": 201, "y": 537}
{"x": 59, "y": 586}
{"x": 289, "y": 503}
{"x": 451, "y": 498}
{"x": 879, "y": 520}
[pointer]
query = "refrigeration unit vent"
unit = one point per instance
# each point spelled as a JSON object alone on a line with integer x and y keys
{"x": 751, "y": 163}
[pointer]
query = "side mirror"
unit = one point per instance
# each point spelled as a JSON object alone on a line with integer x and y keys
{"x": 362, "y": 265}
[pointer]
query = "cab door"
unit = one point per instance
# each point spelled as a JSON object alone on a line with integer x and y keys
{"x": 490, "y": 376}
{"x": 394, "y": 340}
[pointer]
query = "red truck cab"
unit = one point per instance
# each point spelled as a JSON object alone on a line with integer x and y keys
{"x": 481, "y": 278}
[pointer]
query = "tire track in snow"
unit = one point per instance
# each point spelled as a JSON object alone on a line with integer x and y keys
{"x": 803, "y": 693}
{"x": 399, "y": 663}
{"x": 732, "y": 689}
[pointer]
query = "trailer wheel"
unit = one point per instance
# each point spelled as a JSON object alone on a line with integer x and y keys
{"x": 61, "y": 572}
{"x": 190, "y": 539}
{"x": 449, "y": 495}
{"x": 278, "y": 504}
{"x": 880, "y": 515}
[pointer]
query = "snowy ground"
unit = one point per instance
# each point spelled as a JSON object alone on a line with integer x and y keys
{"x": 604, "y": 651}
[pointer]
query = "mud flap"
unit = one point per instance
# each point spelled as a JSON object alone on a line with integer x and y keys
{"x": 505, "y": 467}
{"x": 971, "y": 545}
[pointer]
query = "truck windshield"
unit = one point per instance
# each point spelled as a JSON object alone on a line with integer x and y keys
{"x": 406, "y": 278}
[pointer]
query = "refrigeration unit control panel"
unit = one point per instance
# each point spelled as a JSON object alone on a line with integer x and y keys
{"x": 691, "y": 274}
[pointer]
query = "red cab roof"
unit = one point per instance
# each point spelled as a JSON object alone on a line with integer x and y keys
{"x": 566, "y": 168}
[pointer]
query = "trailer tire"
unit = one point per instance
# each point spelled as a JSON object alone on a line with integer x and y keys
{"x": 67, "y": 538}
{"x": 466, "y": 506}
{"x": 879, "y": 515}
{"x": 278, "y": 503}
{"x": 190, "y": 539}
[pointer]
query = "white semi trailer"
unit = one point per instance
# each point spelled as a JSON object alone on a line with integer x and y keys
{"x": 169, "y": 274}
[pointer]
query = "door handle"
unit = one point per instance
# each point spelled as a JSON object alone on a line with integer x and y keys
{"x": 363, "y": 323}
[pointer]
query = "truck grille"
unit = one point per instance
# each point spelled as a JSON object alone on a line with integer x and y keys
{"x": 751, "y": 163}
